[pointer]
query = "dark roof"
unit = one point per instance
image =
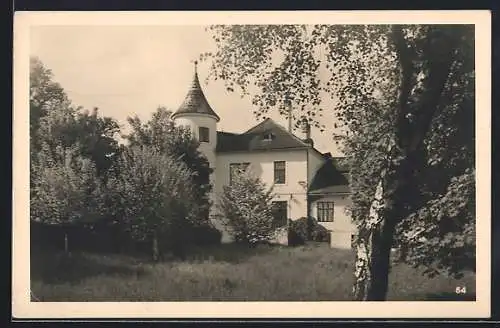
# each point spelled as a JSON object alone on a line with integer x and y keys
{"x": 255, "y": 139}
{"x": 195, "y": 101}
{"x": 330, "y": 179}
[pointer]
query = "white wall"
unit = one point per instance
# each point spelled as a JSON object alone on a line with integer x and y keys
{"x": 342, "y": 226}
{"x": 196, "y": 121}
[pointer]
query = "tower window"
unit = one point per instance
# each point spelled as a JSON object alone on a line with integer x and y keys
{"x": 203, "y": 134}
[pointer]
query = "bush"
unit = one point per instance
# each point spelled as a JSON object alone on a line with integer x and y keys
{"x": 320, "y": 233}
{"x": 297, "y": 231}
{"x": 246, "y": 210}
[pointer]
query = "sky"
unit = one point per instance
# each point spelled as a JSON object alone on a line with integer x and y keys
{"x": 131, "y": 70}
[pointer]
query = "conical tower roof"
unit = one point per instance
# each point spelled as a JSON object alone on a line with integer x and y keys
{"x": 195, "y": 101}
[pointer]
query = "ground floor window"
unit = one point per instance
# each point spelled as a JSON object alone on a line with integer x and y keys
{"x": 325, "y": 211}
{"x": 280, "y": 213}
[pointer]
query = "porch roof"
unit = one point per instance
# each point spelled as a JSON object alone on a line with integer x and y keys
{"x": 330, "y": 179}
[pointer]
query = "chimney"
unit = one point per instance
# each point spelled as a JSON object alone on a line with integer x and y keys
{"x": 288, "y": 105}
{"x": 305, "y": 129}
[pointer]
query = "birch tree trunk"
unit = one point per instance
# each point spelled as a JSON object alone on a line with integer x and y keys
{"x": 376, "y": 232}
{"x": 373, "y": 251}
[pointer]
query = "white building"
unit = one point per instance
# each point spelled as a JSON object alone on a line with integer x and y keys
{"x": 306, "y": 182}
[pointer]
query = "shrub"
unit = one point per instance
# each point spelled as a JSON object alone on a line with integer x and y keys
{"x": 246, "y": 210}
{"x": 304, "y": 229}
{"x": 320, "y": 233}
{"x": 297, "y": 231}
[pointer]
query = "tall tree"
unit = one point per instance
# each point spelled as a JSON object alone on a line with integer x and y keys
{"x": 97, "y": 134}
{"x": 55, "y": 120}
{"x": 152, "y": 195}
{"x": 46, "y": 95}
{"x": 161, "y": 133}
{"x": 405, "y": 95}
{"x": 65, "y": 189}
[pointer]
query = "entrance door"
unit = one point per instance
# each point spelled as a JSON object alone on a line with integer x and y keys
{"x": 280, "y": 213}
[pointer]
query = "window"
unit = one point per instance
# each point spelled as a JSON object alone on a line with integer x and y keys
{"x": 203, "y": 134}
{"x": 268, "y": 136}
{"x": 280, "y": 213}
{"x": 279, "y": 172}
{"x": 236, "y": 168}
{"x": 325, "y": 211}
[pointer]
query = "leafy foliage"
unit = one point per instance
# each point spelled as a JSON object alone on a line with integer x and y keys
{"x": 55, "y": 121}
{"x": 46, "y": 96}
{"x": 320, "y": 233}
{"x": 303, "y": 229}
{"x": 161, "y": 133}
{"x": 65, "y": 190}
{"x": 298, "y": 231}
{"x": 245, "y": 208}
{"x": 151, "y": 194}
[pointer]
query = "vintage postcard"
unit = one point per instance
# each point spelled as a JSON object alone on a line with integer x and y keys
{"x": 314, "y": 164}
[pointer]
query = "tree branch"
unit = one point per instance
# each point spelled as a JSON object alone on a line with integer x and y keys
{"x": 440, "y": 64}
{"x": 405, "y": 58}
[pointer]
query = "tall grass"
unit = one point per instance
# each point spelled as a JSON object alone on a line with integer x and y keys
{"x": 313, "y": 272}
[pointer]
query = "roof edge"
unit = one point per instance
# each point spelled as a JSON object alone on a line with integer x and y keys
{"x": 261, "y": 150}
{"x": 176, "y": 114}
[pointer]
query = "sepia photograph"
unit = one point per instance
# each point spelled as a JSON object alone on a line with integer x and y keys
{"x": 263, "y": 161}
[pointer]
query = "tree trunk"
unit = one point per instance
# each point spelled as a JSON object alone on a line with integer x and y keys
{"x": 156, "y": 249}
{"x": 373, "y": 256}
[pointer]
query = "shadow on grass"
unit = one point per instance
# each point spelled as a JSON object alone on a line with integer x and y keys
{"x": 450, "y": 297}
{"x": 57, "y": 267}
{"x": 231, "y": 253}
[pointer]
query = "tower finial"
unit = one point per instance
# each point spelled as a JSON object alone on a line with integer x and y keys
{"x": 196, "y": 66}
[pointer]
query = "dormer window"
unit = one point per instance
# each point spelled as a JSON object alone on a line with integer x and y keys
{"x": 203, "y": 134}
{"x": 268, "y": 136}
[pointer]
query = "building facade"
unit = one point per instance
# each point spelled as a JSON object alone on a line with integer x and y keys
{"x": 305, "y": 181}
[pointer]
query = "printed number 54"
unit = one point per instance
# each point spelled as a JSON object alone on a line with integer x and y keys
{"x": 460, "y": 290}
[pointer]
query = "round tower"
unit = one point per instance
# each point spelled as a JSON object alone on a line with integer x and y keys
{"x": 196, "y": 113}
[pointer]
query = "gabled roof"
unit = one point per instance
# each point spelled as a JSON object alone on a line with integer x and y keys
{"x": 330, "y": 179}
{"x": 257, "y": 139}
{"x": 195, "y": 101}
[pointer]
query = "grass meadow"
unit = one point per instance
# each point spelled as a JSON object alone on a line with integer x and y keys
{"x": 227, "y": 272}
